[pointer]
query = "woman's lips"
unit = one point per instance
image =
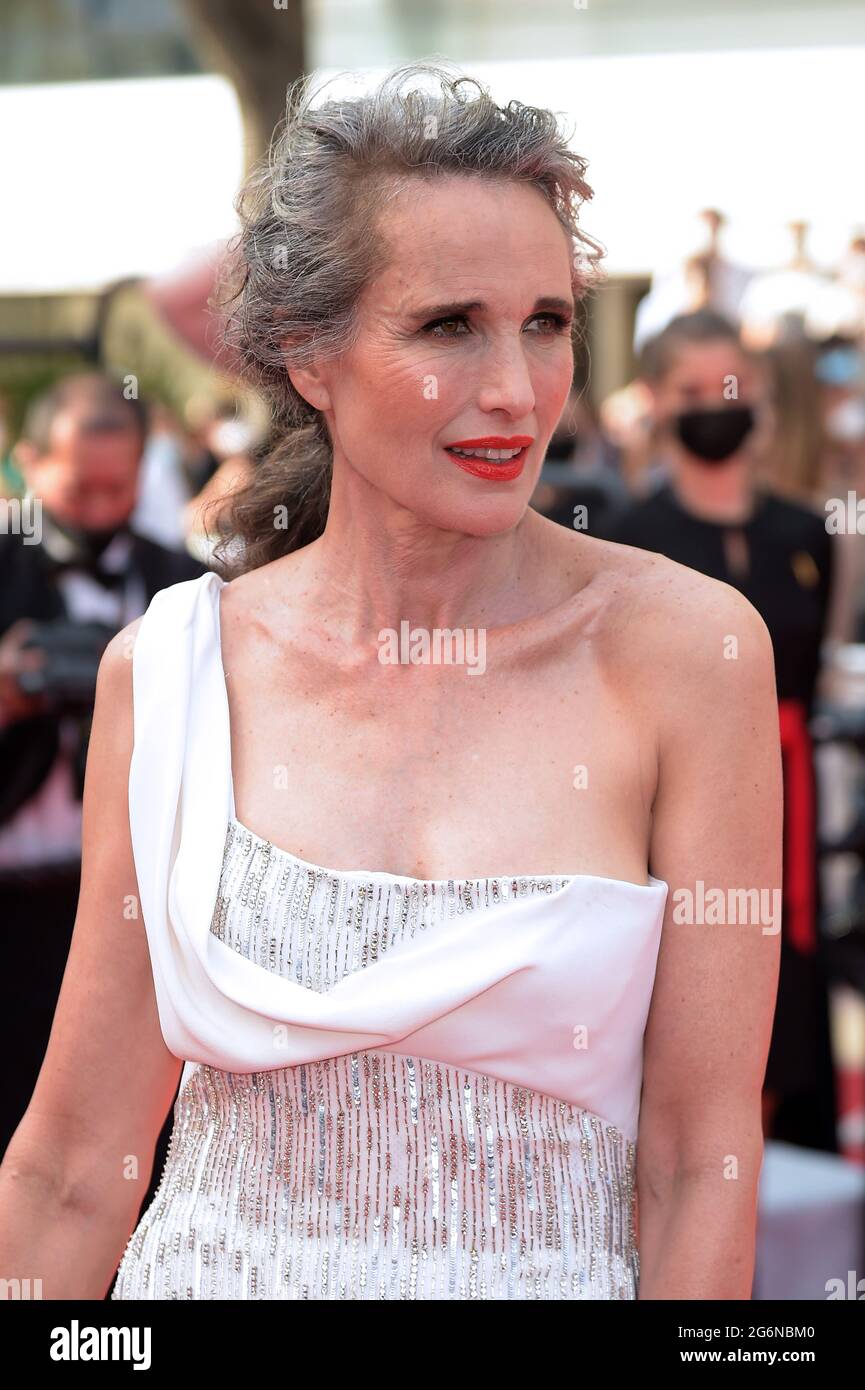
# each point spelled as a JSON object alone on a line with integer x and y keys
{"x": 493, "y": 470}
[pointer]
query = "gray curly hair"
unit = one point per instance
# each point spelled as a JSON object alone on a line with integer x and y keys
{"x": 311, "y": 239}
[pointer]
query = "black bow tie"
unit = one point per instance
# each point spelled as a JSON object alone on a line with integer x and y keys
{"x": 93, "y": 569}
{"x": 63, "y": 557}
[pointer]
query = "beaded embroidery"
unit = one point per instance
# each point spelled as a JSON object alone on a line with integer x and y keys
{"x": 374, "y": 1175}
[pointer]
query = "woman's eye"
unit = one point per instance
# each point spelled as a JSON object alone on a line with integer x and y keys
{"x": 556, "y": 323}
{"x": 438, "y": 323}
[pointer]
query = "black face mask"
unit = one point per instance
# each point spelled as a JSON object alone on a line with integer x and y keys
{"x": 713, "y": 435}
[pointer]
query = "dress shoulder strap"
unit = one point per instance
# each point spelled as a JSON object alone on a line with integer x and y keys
{"x": 176, "y": 649}
{"x": 180, "y": 770}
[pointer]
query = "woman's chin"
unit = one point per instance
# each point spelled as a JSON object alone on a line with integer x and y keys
{"x": 474, "y": 506}
{"x": 486, "y": 515}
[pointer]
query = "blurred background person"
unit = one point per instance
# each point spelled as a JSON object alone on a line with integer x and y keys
{"x": 817, "y": 453}
{"x": 81, "y": 575}
{"x": 164, "y": 485}
{"x": 227, "y": 433}
{"x": 710, "y": 512}
{"x": 839, "y": 369}
{"x": 10, "y": 478}
{"x": 581, "y": 483}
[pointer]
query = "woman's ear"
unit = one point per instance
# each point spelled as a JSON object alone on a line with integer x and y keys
{"x": 309, "y": 382}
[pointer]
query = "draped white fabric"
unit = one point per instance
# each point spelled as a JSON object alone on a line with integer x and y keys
{"x": 550, "y": 993}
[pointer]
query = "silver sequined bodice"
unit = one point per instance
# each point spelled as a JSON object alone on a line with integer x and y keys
{"x": 374, "y": 1175}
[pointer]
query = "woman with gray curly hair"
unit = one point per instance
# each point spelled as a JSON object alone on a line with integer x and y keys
{"x": 411, "y": 830}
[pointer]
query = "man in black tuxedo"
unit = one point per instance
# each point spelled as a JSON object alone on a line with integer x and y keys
{"x": 72, "y": 573}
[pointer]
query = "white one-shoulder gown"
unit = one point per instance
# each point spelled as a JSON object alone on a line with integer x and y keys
{"x": 394, "y": 1087}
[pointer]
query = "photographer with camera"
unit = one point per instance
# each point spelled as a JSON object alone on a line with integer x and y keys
{"x": 68, "y": 583}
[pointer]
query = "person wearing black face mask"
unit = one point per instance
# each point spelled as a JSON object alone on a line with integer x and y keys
{"x": 709, "y": 512}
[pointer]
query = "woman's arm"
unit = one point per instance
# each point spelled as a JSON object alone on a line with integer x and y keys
{"x": 717, "y": 825}
{"x": 79, "y": 1163}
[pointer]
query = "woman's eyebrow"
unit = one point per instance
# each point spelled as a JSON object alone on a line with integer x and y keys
{"x": 466, "y": 306}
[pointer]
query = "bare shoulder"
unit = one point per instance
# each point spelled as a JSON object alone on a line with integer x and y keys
{"x": 672, "y": 626}
{"x": 115, "y": 668}
{"x": 270, "y": 594}
{"x": 689, "y": 656}
{"x": 112, "y": 727}
{"x": 242, "y": 591}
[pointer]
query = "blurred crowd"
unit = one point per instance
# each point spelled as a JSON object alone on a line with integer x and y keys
{"x": 738, "y": 449}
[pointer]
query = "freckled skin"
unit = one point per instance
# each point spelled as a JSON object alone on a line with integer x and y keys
{"x": 477, "y": 772}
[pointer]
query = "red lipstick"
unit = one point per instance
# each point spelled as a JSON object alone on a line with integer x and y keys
{"x": 502, "y": 470}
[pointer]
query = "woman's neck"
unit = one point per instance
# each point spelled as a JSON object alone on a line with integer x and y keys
{"x": 376, "y": 564}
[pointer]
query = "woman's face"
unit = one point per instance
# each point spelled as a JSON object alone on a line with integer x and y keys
{"x": 465, "y": 337}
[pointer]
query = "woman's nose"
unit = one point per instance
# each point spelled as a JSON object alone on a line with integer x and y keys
{"x": 506, "y": 382}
